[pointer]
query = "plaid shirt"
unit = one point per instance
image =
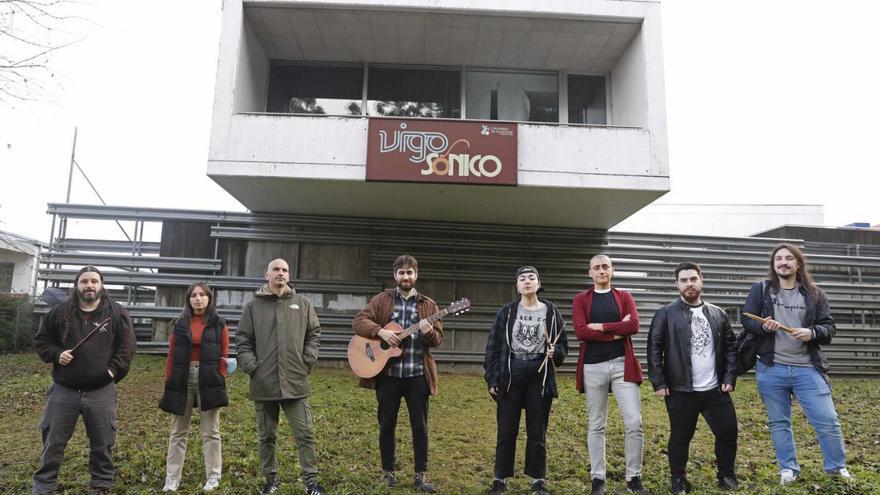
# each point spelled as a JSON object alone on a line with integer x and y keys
{"x": 411, "y": 364}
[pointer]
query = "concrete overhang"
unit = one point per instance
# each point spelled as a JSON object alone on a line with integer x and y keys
{"x": 573, "y": 176}
{"x": 420, "y": 35}
{"x": 521, "y": 205}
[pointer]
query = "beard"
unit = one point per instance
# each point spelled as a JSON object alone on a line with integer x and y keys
{"x": 691, "y": 296}
{"x": 405, "y": 285}
{"x": 787, "y": 276}
{"x": 90, "y": 296}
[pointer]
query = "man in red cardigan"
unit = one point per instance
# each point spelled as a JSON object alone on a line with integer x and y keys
{"x": 604, "y": 321}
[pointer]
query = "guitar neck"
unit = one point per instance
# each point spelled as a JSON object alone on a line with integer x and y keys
{"x": 415, "y": 326}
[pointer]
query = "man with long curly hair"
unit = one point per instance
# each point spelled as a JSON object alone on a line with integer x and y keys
{"x": 90, "y": 342}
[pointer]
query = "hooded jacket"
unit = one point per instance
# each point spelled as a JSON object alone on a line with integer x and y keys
{"x": 496, "y": 362}
{"x": 110, "y": 349}
{"x": 277, "y": 341}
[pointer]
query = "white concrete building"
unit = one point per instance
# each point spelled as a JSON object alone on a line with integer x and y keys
{"x": 723, "y": 220}
{"x": 575, "y": 87}
{"x": 18, "y": 262}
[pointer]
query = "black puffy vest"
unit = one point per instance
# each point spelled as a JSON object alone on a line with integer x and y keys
{"x": 212, "y": 384}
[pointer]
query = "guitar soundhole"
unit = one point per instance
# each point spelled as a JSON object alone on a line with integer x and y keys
{"x": 384, "y": 345}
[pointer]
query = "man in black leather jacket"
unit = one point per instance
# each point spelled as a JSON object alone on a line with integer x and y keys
{"x": 692, "y": 365}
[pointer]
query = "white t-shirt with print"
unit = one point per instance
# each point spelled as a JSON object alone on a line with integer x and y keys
{"x": 702, "y": 352}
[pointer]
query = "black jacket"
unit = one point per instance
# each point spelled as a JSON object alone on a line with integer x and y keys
{"x": 110, "y": 349}
{"x": 496, "y": 362}
{"x": 669, "y": 346}
{"x": 818, "y": 319}
{"x": 212, "y": 383}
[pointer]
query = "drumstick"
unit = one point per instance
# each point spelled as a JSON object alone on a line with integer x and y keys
{"x": 547, "y": 357}
{"x": 764, "y": 320}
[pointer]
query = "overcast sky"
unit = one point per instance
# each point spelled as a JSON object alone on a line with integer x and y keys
{"x": 767, "y": 102}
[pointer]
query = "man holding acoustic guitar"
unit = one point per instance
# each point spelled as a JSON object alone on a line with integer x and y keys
{"x": 412, "y": 375}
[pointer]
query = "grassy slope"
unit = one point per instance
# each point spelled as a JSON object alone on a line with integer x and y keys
{"x": 462, "y": 425}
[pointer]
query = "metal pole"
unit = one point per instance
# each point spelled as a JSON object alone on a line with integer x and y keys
{"x": 15, "y": 332}
{"x": 72, "y": 161}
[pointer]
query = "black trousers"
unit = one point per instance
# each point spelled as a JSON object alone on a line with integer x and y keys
{"x": 524, "y": 393}
{"x": 389, "y": 391}
{"x": 717, "y": 408}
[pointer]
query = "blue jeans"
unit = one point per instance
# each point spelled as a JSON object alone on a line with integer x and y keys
{"x": 776, "y": 384}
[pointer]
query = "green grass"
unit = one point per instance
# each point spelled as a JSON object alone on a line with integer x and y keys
{"x": 462, "y": 436}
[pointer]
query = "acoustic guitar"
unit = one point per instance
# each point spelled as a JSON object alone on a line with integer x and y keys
{"x": 368, "y": 357}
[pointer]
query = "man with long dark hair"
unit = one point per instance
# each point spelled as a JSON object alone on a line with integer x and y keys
{"x": 790, "y": 361}
{"x": 83, "y": 378}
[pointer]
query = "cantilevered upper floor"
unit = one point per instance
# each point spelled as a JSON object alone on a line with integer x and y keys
{"x": 500, "y": 111}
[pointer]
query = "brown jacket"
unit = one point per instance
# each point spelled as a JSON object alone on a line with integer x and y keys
{"x": 377, "y": 314}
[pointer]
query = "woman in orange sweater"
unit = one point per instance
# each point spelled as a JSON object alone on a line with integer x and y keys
{"x": 195, "y": 376}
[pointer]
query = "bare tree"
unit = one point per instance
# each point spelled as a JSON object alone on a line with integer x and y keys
{"x": 31, "y": 31}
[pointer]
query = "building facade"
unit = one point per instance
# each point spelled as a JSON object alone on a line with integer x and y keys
{"x": 501, "y": 112}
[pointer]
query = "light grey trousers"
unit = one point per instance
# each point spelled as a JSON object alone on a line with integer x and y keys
{"x": 210, "y": 426}
{"x": 600, "y": 380}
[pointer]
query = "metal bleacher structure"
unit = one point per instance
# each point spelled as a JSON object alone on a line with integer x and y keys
{"x": 464, "y": 260}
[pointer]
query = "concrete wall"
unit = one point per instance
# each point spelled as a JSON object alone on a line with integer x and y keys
{"x": 251, "y": 83}
{"x": 629, "y": 99}
{"x": 561, "y": 156}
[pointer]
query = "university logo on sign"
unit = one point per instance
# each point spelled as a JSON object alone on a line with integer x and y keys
{"x": 457, "y": 152}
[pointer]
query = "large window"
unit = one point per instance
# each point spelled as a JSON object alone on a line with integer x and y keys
{"x": 518, "y": 96}
{"x": 315, "y": 89}
{"x": 433, "y": 92}
{"x": 411, "y": 92}
{"x": 586, "y": 100}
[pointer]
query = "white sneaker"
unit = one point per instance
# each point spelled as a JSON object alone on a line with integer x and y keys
{"x": 843, "y": 473}
{"x": 786, "y": 476}
{"x": 212, "y": 483}
{"x": 171, "y": 484}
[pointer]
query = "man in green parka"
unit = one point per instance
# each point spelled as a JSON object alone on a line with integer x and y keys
{"x": 277, "y": 341}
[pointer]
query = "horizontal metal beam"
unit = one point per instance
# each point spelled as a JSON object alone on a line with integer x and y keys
{"x": 216, "y": 281}
{"x": 129, "y": 261}
{"x": 108, "y": 246}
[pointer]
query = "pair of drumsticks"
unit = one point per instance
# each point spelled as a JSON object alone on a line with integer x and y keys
{"x": 548, "y": 357}
{"x": 764, "y": 320}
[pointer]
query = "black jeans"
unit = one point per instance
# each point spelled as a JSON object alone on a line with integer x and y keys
{"x": 524, "y": 393}
{"x": 717, "y": 408}
{"x": 389, "y": 391}
{"x": 63, "y": 408}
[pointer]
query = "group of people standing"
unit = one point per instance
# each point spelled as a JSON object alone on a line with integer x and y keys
{"x": 692, "y": 365}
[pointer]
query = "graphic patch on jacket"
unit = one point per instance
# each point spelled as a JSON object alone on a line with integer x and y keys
{"x": 528, "y": 331}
